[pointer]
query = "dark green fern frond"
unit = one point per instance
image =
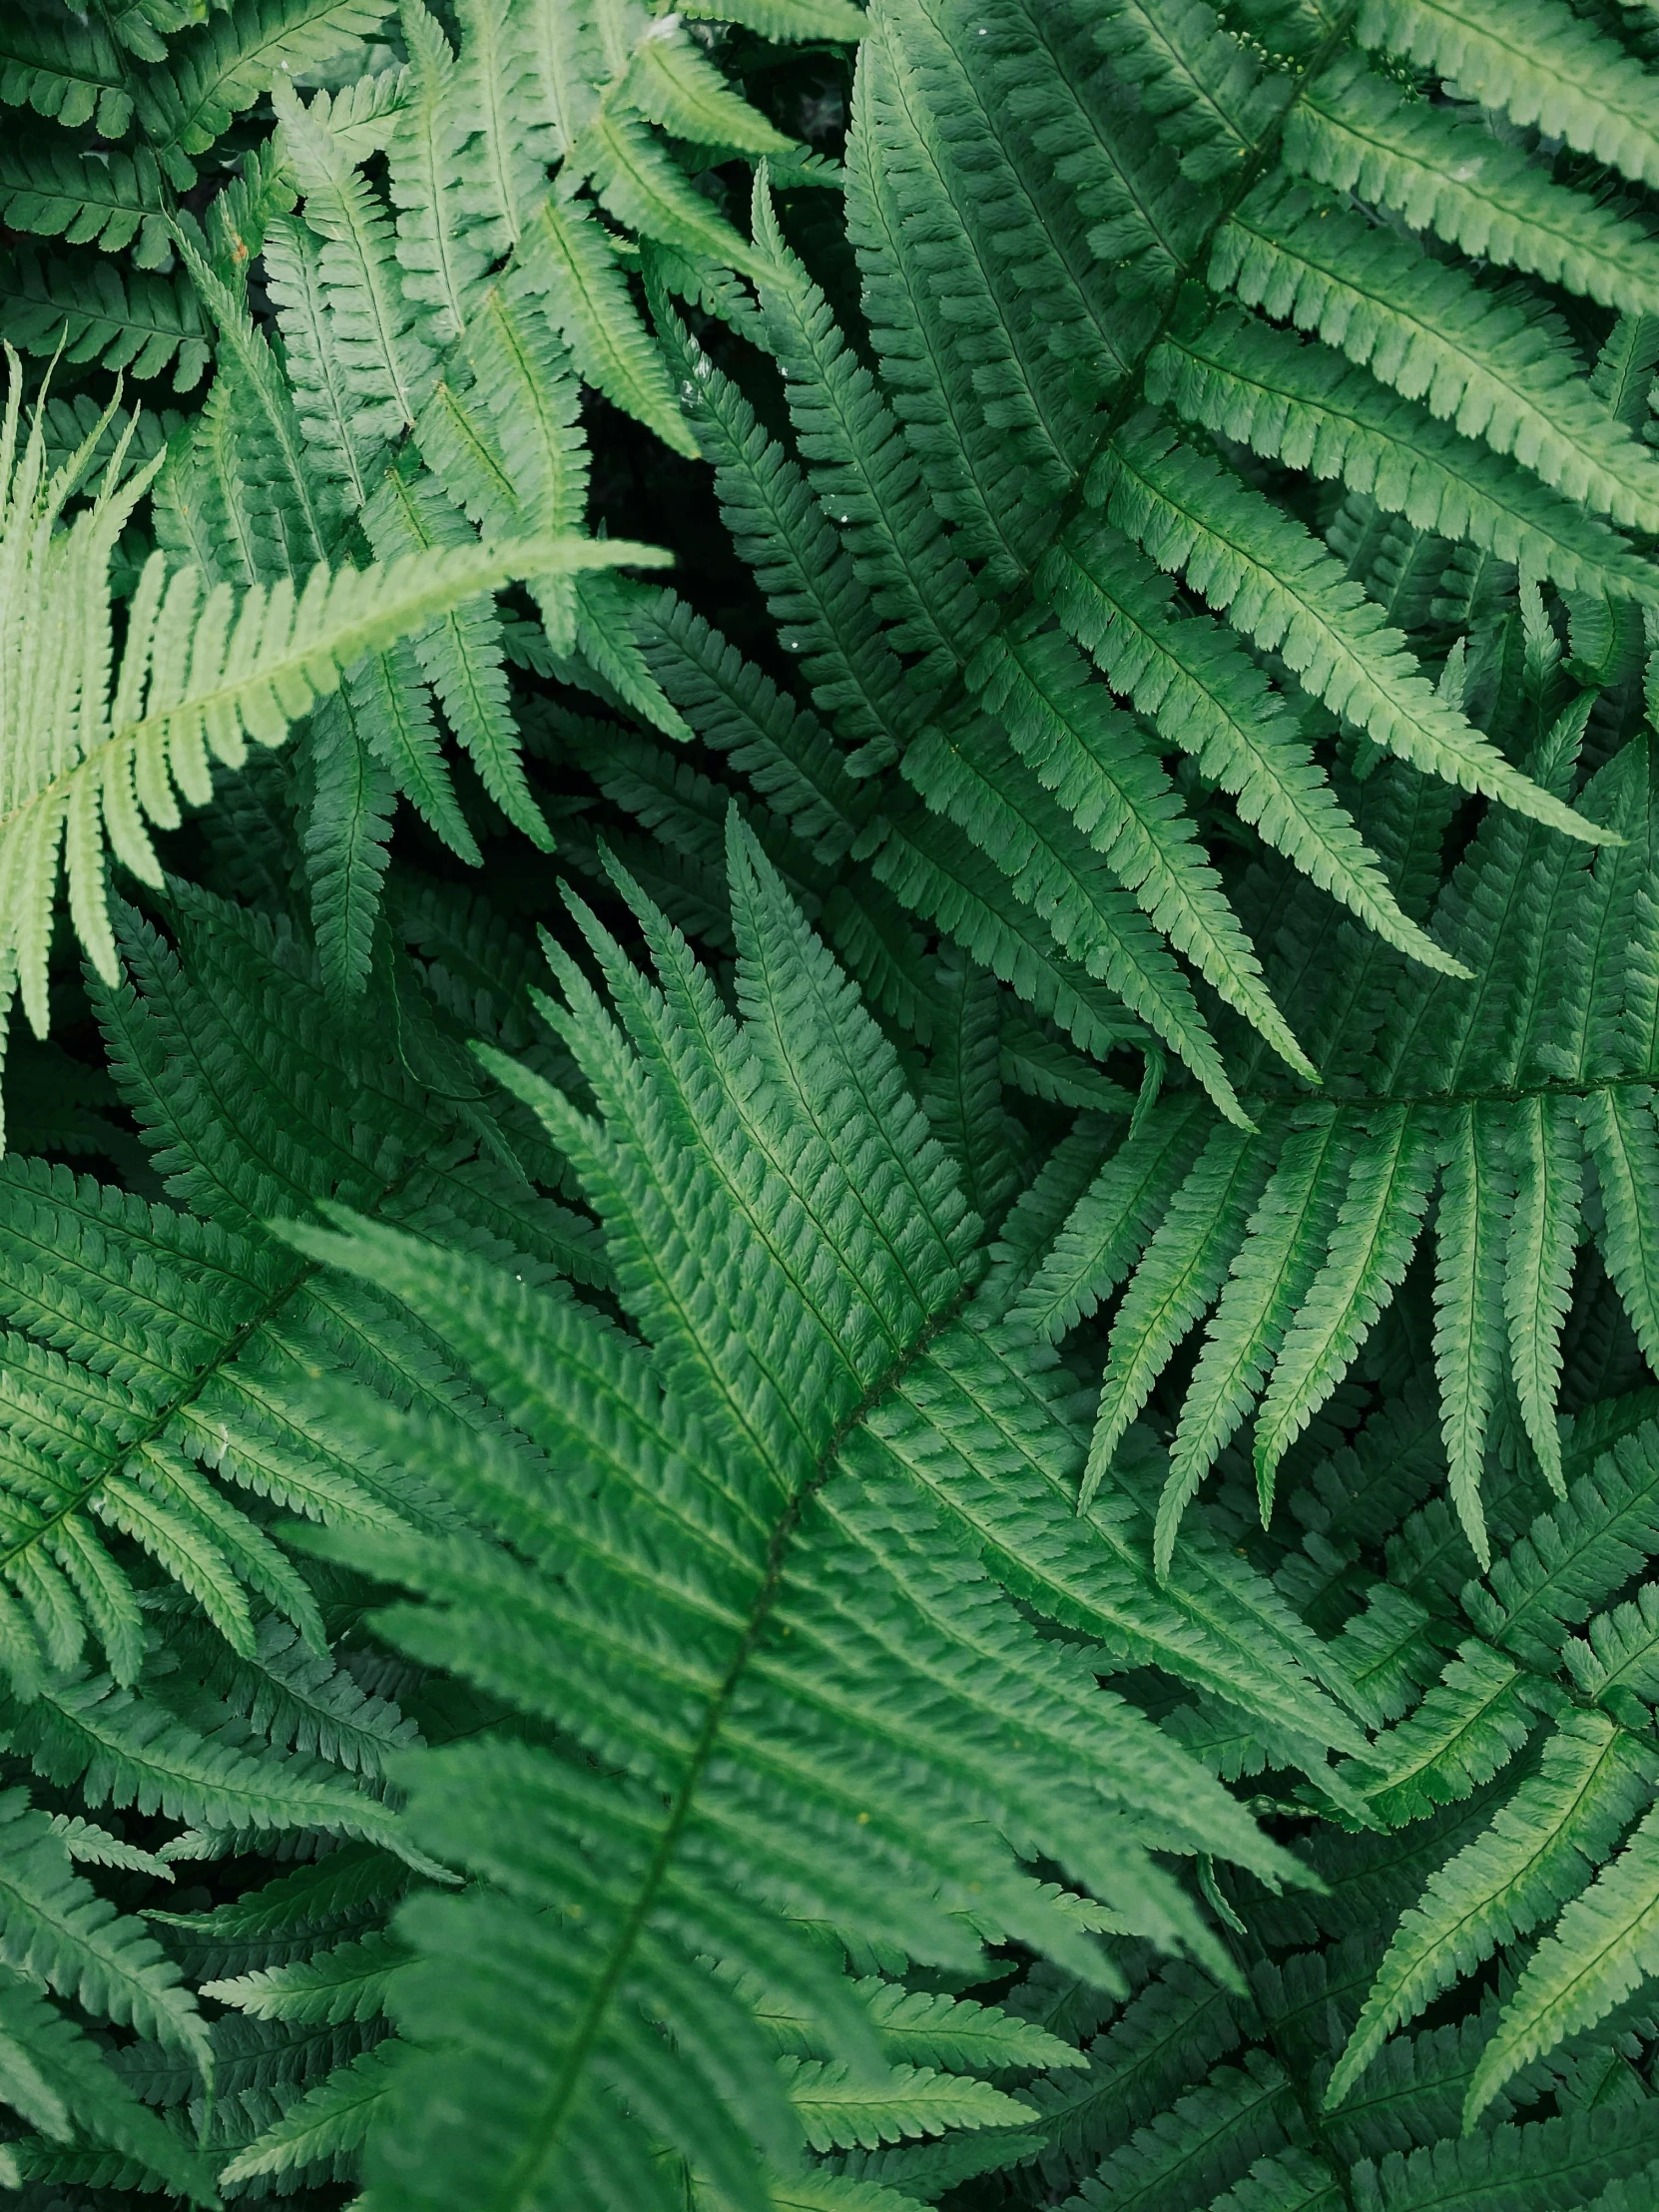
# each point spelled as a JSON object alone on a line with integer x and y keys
{"x": 845, "y": 1429}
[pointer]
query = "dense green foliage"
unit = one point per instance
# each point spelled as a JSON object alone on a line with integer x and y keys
{"x": 831, "y": 1382}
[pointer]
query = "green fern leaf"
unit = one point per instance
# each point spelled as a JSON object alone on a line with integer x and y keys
{"x": 346, "y": 1983}
{"x": 1179, "y": 1276}
{"x": 1095, "y": 1246}
{"x": 1375, "y": 1232}
{"x": 1285, "y": 591}
{"x": 443, "y": 243}
{"x": 333, "y": 2118}
{"x": 1572, "y": 1559}
{"x": 1268, "y": 1283}
{"x": 66, "y": 69}
{"x": 807, "y": 1092}
{"x": 1498, "y": 370}
{"x": 69, "y": 2078}
{"x": 840, "y": 2111}
{"x": 1546, "y": 67}
{"x": 126, "y": 1751}
{"x": 1541, "y": 1848}
{"x": 338, "y": 443}
{"x": 1208, "y": 698}
{"x": 1601, "y": 1950}
{"x": 1249, "y": 382}
{"x": 565, "y": 262}
{"x": 382, "y": 365}
{"x": 1468, "y": 1727}
{"x": 1537, "y": 1264}
{"x": 1474, "y": 1236}
{"x": 142, "y": 324}
{"x": 345, "y": 839}
{"x": 785, "y": 19}
{"x": 227, "y": 63}
{"x": 1618, "y": 1125}
{"x": 668, "y": 81}
{"x": 49, "y": 189}
{"x": 1354, "y": 130}
{"x": 56, "y": 1930}
{"x": 410, "y": 521}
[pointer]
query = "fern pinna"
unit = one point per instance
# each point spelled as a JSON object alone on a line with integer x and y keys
{"x": 830, "y": 1383}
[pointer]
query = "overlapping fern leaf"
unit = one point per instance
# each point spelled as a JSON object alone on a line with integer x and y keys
{"x": 172, "y": 1674}
{"x": 759, "y": 1568}
{"x": 1018, "y": 1437}
{"x": 477, "y": 302}
{"x": 1079, "y": 257}
{"x": 94, "y": 751}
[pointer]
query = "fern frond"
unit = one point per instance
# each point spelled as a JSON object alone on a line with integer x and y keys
{"x": 338, "y": 443}
{"x": 1206, "y": 2139}
{"x": 1376, "y": 1229}
{"x": 565, "y": 261}
{"x": 1268, "y": 1283}
{"x": 1544, "y": 1154}
{"x": 1600, "y": 1951}
{"x": 56, "y": 1930}
{"x": 511, "y": 450}
{"x": 1546, "y": 67}
{"x": 1179, "y": 1276}
{"x": 62, "y": 2083}
{"x": 460, "y": 653}
{"x": 1498, "y": 370}
{"x": 124, "y": 1750}
{"x": 53, "y": 192}
{"x": 1094, "y": 1249}
{"x": 350, "y": 797}
{"x": 1622, "y": 1140}
{"x": 805, "y": 1091}
{"x": 382, "y": 364}
{"x": 346, "y": 1983}
{"x": 1541, "y": 1848}
{"x": 327, "y": 2120}
{"x": 668, "y": 81}
{"x": 1277, "y": 583}
{"x": 639, "y": 184}
{"x": 1091, "y": 757}
{"x": 1473, "y": 1237}
{"x": 200, "y": 675}
{"x": 1468, "y": 1727}
{"x": 444, "y": 246}
{"x": 227, "y": 62}
{"x": 785, "y": 19}
{"x": 1251, "y": 383}
{"x": 68, "y": 69}
{"x": 1208, "y": 696}
{"x": 1575, "y": 1557}
{"x": 142, "y": 323}
{"x": 1354, "y": 129}
{"x": 840, "y": 2111}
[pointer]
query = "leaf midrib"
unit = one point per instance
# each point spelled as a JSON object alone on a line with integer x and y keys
{"x": 529, "y": 2168}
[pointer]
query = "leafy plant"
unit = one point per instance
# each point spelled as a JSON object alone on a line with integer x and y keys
{"x": 876, "y": 1423}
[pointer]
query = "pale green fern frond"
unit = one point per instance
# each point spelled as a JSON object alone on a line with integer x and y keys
{"x": 201, "y": 673}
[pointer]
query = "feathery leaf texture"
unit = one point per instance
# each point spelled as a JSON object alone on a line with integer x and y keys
{"x": 977, "y": 1521}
